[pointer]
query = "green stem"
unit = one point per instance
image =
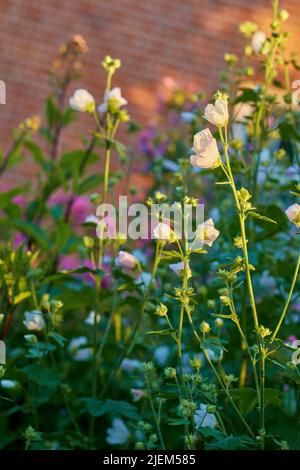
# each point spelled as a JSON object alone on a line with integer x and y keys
{"x": 288, "y": 299}
{"x": 156, "y": 419}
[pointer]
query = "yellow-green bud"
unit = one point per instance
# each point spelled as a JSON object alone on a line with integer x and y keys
{"x": 219, "y": 322}
{"x": 205, "y": 327}
{"x": 88, "y": 242}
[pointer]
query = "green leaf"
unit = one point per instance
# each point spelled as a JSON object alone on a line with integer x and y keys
{"x": 261, "y": 217}
{"x": 89, "y": 183}
{"x": 60, "y": 340}
{"x": 246, "y": 397}
{"x": 51, "y": 111}
{"x": 273, "y": 396}
{"x": 42, "y": 375}
{"x": 33, "y": 231}
{"x": 248, "y": 95}
{"x": 22, "y": 296}
{"x": 161, "y": 332}
{"x": 97, "y": 408}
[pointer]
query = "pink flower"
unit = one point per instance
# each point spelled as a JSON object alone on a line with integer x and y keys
{"x": 207, "y": 232}
{"x": 206, "y": 150}
{"x": 80, "y": 209}
{"x": 163, "y": 232}
{"x": 293, "y": 214}
{"x": 126, "y": 260}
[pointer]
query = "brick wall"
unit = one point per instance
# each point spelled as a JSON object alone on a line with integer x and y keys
{"x": 182, "y": 38}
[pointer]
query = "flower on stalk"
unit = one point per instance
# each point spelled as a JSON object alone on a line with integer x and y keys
{"x": 113, "y": 101}
{"x": 90, "y": 320}
{"x": 258, "y": 40}
{"x": 217, "y": 113}
{"x": 164, "y": 232}
{"x": 34, "y": 320}
{"x": 203, "y": 418}
{"x": 126, "y": 260}
{"x": 82, "y": 101}
{"x": 118, "y": 433}
{"x": 207, "y": 233}
{"x": 178, "y": 268}
{"x": 293, "y": 214}
{"x": 206, "y": 151}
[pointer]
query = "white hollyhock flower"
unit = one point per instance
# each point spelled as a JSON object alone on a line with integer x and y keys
{"x": 206, "y": 150}
{"x": 114, "y": 97}
{"x": 178, "y": 268}
{"x": 126, "y": 260}
{"x": 90, "y": 320}
{"x": 9, "y": 384}
{"x": 204, "y": 419}
{"x": 163, "y": 232}
{"x": 82, "y": 101}
{"x": 217, "y": 113}
{"x": 91, "y": 219}
{"x": 293, "y": 214}
{"x": 207, "y": 233}
{"x": 258, "y": 40}
{"x": 34, "y": 320}
{"x": 118, "y": 433}
{"x": 78, "y": 351}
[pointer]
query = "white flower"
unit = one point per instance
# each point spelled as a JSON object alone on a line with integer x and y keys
{"x": 78, "y": 352}
{"x": 90, "y": 320}
{"x": 293, "y": 214}
{"x": 114, "y": 97}
{"x": 257, "y": 41}
{"x": 91, "y": 219}
{"x": 163, "y": 232}
{"x": 130, "y": 365}
{"x": 118, "y": 433}
{"x": 206, "y": 150}
{"x": 82, "y": 101}
{"x": 204, "y": 419}
{"x": 34, "y": 320}
{"x": 126, "y": 260}
{"x": 178, "y": 269}
{"x": 9, "y": 384}
{"x": 217, "y": 113}
{"x": 207, "y": 233}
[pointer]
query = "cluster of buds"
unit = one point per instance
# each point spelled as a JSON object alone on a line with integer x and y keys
{"x": 187, "y": 408}
{"x": 31, "y": 124}
{"x": 263, "y": 332}
{"x": 244, "y": 196}
{"x": 184, "y": 295}
{"x": 170, "y": 372}
{"x": 111, "y": 65}
{"x": 74, "y": 46}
